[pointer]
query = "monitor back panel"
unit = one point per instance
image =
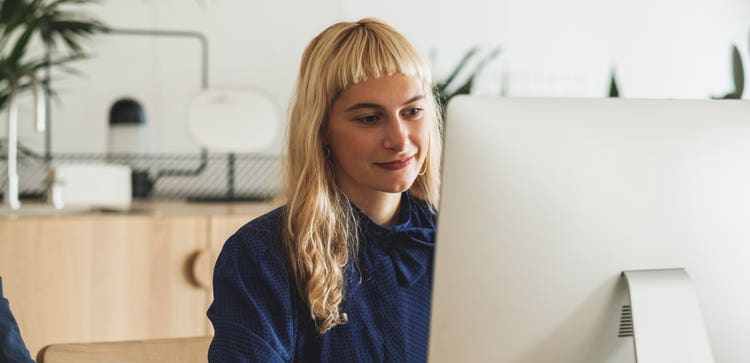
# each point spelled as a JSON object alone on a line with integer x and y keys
{"x": 545, "y": 201}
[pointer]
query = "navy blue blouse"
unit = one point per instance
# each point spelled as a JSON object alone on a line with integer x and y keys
{"x": 258, "y": 316}
{"x": 12, "y": 347}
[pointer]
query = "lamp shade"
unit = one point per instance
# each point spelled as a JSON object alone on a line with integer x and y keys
{"x": 128, "y": 132}
{"x": 233, "y": 120}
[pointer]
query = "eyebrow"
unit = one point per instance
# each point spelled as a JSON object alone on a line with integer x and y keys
{"x": 375, "y": 105}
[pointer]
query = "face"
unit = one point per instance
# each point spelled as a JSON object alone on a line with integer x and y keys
{"x": 378, "y": 132}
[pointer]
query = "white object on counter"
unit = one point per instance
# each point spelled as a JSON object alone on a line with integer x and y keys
{"x": 91, "y": 185}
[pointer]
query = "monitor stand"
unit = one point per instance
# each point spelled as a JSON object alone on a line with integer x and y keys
{"x": 667, "y": 321}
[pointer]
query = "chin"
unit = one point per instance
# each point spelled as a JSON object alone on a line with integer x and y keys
{"x": 398, "y": 187}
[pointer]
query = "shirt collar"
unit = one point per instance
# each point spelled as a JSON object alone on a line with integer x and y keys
{"x": 408, "y": 244}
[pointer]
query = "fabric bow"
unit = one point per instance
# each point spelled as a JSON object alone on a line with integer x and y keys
{"x": 410, "y": 250}
{"x": 409, "y": 247}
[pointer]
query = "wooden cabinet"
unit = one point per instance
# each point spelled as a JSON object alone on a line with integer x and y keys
{"x": 102, "y": 278}
{"x": 220, "y": 228}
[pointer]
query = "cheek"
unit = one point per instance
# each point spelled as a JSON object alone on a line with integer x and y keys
{"x": 336, "y": 137}
{"x": 349, "y": 147}
{"x": 422, "y": 135}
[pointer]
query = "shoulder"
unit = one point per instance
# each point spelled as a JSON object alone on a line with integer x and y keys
{"x": 257, "y": 243}
{"x": 253, "y": 310}
{"x": 258, "y": 233}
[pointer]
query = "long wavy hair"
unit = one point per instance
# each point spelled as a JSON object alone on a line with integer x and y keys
{"x": 320, "y": 227}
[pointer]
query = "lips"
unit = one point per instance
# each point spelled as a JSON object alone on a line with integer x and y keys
{"x": 396, "y": 164}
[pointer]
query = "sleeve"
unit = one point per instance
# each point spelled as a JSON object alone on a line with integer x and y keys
{"x": 252, "y": 312}
{"x": 12, "y": 347}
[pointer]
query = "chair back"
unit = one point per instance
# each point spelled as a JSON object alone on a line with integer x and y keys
{"x": 172, "y": 350}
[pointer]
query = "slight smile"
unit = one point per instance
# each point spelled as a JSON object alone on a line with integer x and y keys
{"x": 396, "y": 164}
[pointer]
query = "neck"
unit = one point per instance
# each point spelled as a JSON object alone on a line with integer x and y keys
{"x": 381, "y": 208}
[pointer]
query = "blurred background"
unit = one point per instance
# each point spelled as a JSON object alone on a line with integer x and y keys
{"x": 655, "y": 49}
{"x": 162, "y": 56}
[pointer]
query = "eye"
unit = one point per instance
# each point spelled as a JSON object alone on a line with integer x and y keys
{"x": 368, "y": 119}
{"x": 413, "y": 112}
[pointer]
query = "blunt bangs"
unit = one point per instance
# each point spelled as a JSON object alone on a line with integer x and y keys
{"x": 364, "y": 54}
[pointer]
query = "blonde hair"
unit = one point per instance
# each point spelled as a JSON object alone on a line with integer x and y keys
{"x": 320, "y": 229}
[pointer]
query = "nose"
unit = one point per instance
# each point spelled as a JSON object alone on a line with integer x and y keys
{"x": 396, "y": 134}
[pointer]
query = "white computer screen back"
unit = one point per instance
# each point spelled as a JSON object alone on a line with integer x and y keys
{"x": 545, "y": 201}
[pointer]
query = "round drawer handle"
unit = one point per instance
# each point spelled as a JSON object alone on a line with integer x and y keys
{"x": 200, "y": 269}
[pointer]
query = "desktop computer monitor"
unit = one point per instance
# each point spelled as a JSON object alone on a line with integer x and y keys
{"x": 545, "y": 202}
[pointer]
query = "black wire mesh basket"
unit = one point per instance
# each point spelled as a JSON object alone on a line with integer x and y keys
{"x": 196, "y": 177}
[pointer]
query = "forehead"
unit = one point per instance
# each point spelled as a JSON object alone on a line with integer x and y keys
{"x": 386, "y": 90}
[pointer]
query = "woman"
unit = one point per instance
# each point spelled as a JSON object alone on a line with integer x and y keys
{"x": 12, "y": 347}
{"x": 343, "y": 271}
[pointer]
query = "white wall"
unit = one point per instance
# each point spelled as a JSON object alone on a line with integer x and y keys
{"x": 660, "y": 48}
{"x": 252, "y": 44}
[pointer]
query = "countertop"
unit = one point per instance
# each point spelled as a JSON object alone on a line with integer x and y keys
{"x": 143, "y": 208}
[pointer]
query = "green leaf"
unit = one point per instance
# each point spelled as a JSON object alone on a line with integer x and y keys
{"x": 614, "y": 91}
{"x": 443, "y": 85}
{"x": 467, "y": 86}
{"x": 19, "y": 50}
{"x": 739, "y": 72}
{"x": 56, "y": 22}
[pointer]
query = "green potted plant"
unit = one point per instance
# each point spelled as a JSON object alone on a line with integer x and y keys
{"x": 52, "y": 23}
{"x": 35, "y": 35}
{"x": 441, "y": 88}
